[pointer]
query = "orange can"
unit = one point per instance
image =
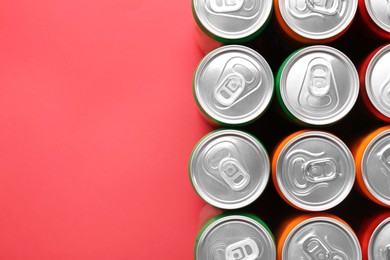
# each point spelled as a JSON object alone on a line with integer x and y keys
{"x": 317, "y": 236}
{"x": 313, "y": 170}
{"x": 314, "y": 22}
{"x": 372, "y": 158}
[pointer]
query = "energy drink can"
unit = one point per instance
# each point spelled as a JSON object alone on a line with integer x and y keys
{"x": 233, "y": 85}
{"x": 375, "y": 16}
{"x": 374, "y": 237}
{"x": 235, "y": 237}
{"x": 375, "y": 83}
{"x": 372, "y": 157}
{"x": 229, "y": 169}
{"x": 318, "y": 237}
{"x": 314, "y": 21}
{"x": 317, "y": 86}
{"x": 313, "y": 170}
{"x": 230, "y": 21}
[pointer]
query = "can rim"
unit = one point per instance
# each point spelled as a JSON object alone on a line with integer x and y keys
{"x": 317, "y": 36}
{"x": 252, "y": 115}
{"x": 220, "y": 35}
{"x": 354, "y": 85}
{"x": 378, "y": 55}
{"x": 346, "y": 188}
{"x": 374, "y": 235}
{"x": 349, "y": 232}
{"x": 366, "y": 153}
{"x": 374, "y": 18}
{"x": 259, "y": 188}
{"x": 214, "y": 223}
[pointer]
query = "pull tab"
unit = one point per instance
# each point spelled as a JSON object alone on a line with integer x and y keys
{"x": 387, "y": 252}
{"x": 319, "y": 80}
{"x": 317, "y": 250}
{"x": 230, "y": 89}
{"x": 243, "y": 250}
{"x": 320, "y": 170}
{"x": 326, "y": 7}
{"x": 385, "y": 157}
{"x": 234, "y": 174}
{"x": 226, "y": 6}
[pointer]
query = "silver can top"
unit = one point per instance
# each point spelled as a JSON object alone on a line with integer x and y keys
{"x": 378, "y": 81}
{"x": 319, "y": 85}
{"x": 376, "y": 167}
{"x": 232, "y": 19}
{"x": 321, "y": 238}
{"x": 318, "y": 19}
{"x": 229, "y": 169}
{"x": 379, "y": 244}
{"x": 379, "y": 11}
{"x": 315, "y": 171}
{"x": 233, "y": 85}
{"x": 233, "y": 238}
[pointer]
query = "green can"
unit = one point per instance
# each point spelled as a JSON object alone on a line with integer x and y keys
{"x": 232, "y": 237}
{"x": 317, "y": 86}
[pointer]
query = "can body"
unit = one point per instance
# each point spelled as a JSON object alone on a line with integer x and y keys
{"x": 317, "y": 237}
{"x": 232, "y": 237}
{"x": 229, "y": 22}
{"x": 375, "y": 83}
{"x": 372, "y": 156}
{"x": 374, "y": 235}
{"x": 317, "y": 86}
{"x": 229, "y": 169}
{"x": 233, "y": 85}
{"x": 313, "y": 170}
{"x": 313, "y": 22}
{"x": 374, "y": 17}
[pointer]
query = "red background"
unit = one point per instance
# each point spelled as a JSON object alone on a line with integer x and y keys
{"x": 97, "y": 122}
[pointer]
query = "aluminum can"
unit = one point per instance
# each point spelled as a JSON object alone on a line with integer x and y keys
{"x": 372, "y": 158}
{"x": 375, "y": 15}
{"x": 229, "y": 169}
{"x": 235, "y": 237}
{"x": 233, "y": 85}
{"x": 318, "y": 237}
{"x": 375, "y": 83}
{"x": 230, "y": 21}
{"x": 317, "y": 86}
{"x": 314, "y": 21}
{"x": 313, "y": 170}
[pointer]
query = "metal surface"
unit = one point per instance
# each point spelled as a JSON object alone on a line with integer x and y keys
{"x": 232, "y": 19}
{"x": 378, "y": 81}
{"x": 318, "y": 19}
{"x": 321, "y": 238}
{"x": 319, "y": 85}
{"x": 376, "y": 167}
{"x": 379, "y": 245}
{"x": 315, "y": 171}
{"x": 235, "y": 238}
{"x": 379, "y": 11}
{"x": 233, "y": 85}
{"x": 229, "y": 169}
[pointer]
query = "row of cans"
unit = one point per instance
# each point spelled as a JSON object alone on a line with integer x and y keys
{"x": 311, "y": 170}
{"x": 301, "y": 21}
{"x": 315, "y": 86}
{"x": 315, "y": 237}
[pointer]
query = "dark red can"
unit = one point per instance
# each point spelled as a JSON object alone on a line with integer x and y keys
{"x": 375, "y": 15}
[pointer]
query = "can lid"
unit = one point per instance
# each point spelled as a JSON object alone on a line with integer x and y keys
{"x": 315, "y": 171}
{"x": 232, "y": 19}
{"x": 378, "y": 81}
{"x": 379, "y": 12}
{"x": 376, "y": 167}
{"x": 321, "y": 238}
{"x": 229, "y": 169}
{"x": 379, "y": 244}
{"x": 319, "y": 85}
{"x": 318, "y": 20}
{"x": 235, "y": 237}
{"x": 233, "y": 85}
